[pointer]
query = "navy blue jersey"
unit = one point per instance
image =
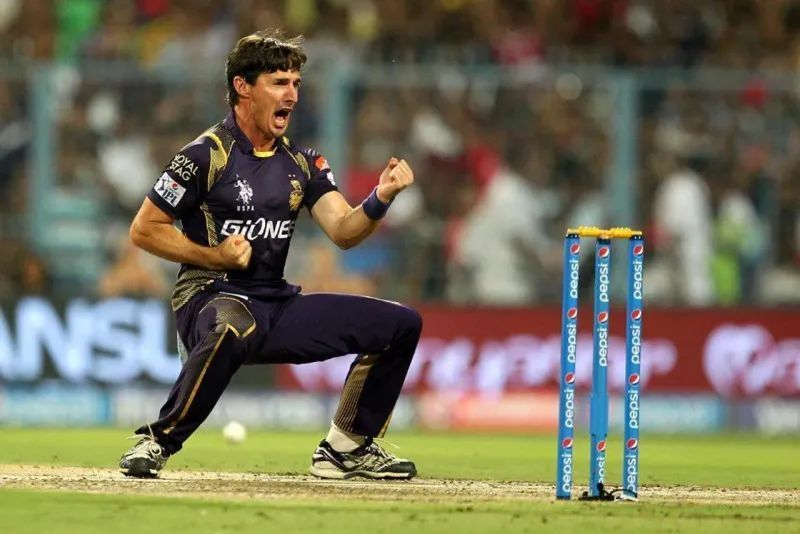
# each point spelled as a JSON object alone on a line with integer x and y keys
{"x": 218, "y": 185}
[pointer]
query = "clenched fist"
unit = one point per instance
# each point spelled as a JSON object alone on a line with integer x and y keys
{"x": 395, "y": 177}
{"x": 234, "y": 252}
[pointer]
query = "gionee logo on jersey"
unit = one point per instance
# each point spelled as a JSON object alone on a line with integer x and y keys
{"x": 258, "y": 228}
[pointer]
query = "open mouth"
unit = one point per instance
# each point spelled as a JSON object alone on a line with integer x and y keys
{"x": 282, "y": 117}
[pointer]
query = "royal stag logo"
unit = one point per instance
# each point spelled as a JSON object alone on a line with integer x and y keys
{"x": 296, "y": 196}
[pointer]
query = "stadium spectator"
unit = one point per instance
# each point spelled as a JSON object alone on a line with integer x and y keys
{"x": 134, "y": 273}
{"x": 682, "y": 235}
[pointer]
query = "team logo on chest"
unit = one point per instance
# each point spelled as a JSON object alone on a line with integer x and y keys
{"x": 245, "y": 197}
{"x": 296, "y": 196}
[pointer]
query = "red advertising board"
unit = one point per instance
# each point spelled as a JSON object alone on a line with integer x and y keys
{"x": 736, "y": 353}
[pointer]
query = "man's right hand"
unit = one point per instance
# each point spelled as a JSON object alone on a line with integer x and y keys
{"x": 233, "y": 253}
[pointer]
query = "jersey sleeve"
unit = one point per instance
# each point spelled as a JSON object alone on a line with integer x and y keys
{"x": 185, "y": 180}
{"x": 320, "y": 180}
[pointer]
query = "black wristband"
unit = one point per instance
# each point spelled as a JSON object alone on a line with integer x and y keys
{"x": 374, "y": 208}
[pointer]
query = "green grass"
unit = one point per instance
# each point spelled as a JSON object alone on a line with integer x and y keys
{"x": 34, "y": 512}
{"x": 721, "y": 461}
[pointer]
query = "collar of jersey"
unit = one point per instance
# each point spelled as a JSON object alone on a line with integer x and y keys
{"x": 244, "y": 143}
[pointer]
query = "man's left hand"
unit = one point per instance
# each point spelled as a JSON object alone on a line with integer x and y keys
{"x": 395, "y": 177}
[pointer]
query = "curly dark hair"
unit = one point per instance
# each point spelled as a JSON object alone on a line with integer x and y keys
{"x": 260, "y": 52}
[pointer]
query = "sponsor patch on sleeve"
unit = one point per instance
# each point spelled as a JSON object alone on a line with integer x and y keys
{"x": 321, "y": 163}
{"x": 170, "y": 190}
{"x": 183, "y": 167}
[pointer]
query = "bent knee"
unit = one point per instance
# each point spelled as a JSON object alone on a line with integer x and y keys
{"x": 410, "y": 321}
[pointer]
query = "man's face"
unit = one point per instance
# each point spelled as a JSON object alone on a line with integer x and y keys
{"x": 274, "y": 96}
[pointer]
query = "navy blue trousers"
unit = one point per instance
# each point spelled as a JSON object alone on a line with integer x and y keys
{"x": 223, "y": 331}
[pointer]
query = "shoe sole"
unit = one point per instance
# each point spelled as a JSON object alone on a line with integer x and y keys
{"x": 137, "y": 470}
{"x": 335, "y": 474}
{"x": 151, "y": 474}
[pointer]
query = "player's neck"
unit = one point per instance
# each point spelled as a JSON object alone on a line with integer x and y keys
{"x": 244, "y": 119}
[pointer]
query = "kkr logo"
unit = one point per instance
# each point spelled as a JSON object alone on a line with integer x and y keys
{"x": 296, "y": 196}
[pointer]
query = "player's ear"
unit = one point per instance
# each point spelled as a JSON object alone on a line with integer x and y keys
{"x": 242, "y": 87}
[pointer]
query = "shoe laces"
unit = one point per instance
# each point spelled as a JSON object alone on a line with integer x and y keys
{"x": 148, "y": 442}
{"x": 376, "y": 445}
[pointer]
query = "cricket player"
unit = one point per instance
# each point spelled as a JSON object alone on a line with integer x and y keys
{"x": 237, "y": 191}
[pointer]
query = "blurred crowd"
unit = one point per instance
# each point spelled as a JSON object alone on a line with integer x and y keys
{"x": 502, "y": 168}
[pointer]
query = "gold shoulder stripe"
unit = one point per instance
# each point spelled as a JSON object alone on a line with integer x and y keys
{"x": 301, "y": 162}
{"x": 210, "y": 133}
{"x": 217, "y": 161}
{"x": 220, "y": 154}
